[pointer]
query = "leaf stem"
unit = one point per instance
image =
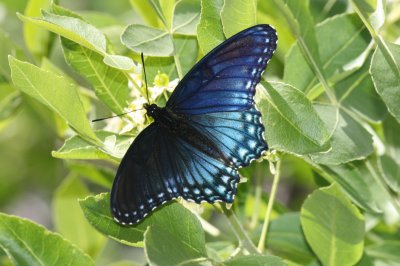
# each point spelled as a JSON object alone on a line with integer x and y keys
{"x": 178, "y": 67}
{"x": 241, "y": 235}
{"x": 261, "y": 243}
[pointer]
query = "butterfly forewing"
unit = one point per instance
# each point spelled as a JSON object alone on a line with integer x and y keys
{"x": 225, "y": 79}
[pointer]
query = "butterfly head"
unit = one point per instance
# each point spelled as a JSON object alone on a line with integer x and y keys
{"x": 151, "y": 109}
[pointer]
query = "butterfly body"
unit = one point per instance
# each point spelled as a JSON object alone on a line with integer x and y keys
{"x": 209, "y": 128}
{"x": 180, "y": 126}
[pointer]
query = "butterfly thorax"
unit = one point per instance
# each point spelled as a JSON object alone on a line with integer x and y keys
{"x": 177, "y": 125}
{"x": 163, "y": 117}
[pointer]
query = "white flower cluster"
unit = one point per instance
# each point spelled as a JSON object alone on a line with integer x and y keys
{"x": 136, "y": 114}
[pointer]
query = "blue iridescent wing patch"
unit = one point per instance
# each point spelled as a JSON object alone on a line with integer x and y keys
{"x": 209, "y": 128}
{"x": 225, "y": 79}
{"x": 239, "y": 135}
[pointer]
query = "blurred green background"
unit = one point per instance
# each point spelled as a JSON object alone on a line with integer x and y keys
{"x": 29, "y": 174}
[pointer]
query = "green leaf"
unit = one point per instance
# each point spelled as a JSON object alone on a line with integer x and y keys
{"x": 7, "y": 47}
{"x": 321, "y": 10}
{"x": 78, "y": 27}
{"x": 220, "y": 250}
{"x": 387, "y": 251}
{"x": 357, "y": 94}
{"x": 237, "y": 15}
{"x": 391, "y": 129}
{"x": 186, "y": 17}
{"x": 110, "y": 85}
{"x": 115, "y": 61}
{"x": 97, "y": 212}
{"x": 175, "y": 244}
{"x": 167, "y": 7}
{"x": 301, "y": 24}
{"x": 146, "y": 12}
{"x": 359, "y": 184}
{"x": 72, "y": 223}
{"x": 255, "y": 260}
{"x": 10, "y": 100}
{"x": 37, "y": 39}
{"x": 291, "y": 122}
{"x": 350, "y": 140}
{"x": 119, "y": 61}
{"x": 186, "y": 52}
{"x": 387, "y": 79}
{"x": 101, "y": 20}
{"x": 62, "y": 11}
{"x": 366, "y": 261}
{"x": 390, "y": 170}
{"x": 389, "y": 163}
{"x": 98, "y": 174}
{"x": 285, "y": 238}
{"x": 48, "y": 65}
{"x": 373, "y": 10}
{"x": 56, "y": 92}
{"x": 164, "y": 10}
{"x": 385, "y": 68}
{"x": 77, "y": 148}
{"x": 164, "y": 65}
{"x": 60, "y": 124}
{"x": 333, "y": 227}
{"x": 71, "y": 28}
{"x": 170, "y": 217}
{"x": 27, "y": 243}
{"x": 209, "y": 29}
{"x": 147, "y": 40}
{"x": 336, "y": 53}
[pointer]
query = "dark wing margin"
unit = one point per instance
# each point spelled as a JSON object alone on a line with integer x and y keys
{"x": 159, "y": 167}
{"x": 225, "y": 79}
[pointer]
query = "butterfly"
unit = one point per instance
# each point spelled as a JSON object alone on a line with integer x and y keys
{"x": 209, "y": 128}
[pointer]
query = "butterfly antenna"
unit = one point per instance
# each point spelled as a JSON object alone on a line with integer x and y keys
{"x": 101, "y": 119}
{"x": 145, "y": 78}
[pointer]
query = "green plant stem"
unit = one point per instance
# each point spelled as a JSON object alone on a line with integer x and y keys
{"x": 178, "y": 67}
{"x": 261, "y": 243}
{"x": 241, "y": 235}
{"x": 254, "y": 217}
{"x": 257, "y": 198}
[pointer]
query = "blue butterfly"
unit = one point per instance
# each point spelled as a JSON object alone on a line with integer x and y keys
{"x": 209, "y": 128}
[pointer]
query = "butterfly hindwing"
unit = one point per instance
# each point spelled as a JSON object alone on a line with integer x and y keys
{"x": 225, "y": 79}
{"x": 159, "y": 167}
{"x": 239, "y": 135}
